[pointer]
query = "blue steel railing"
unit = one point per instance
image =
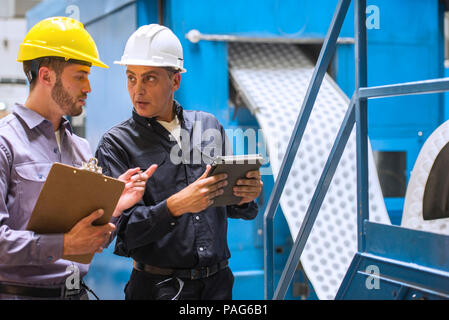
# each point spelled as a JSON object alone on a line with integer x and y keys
{"x": 356, "y": 113}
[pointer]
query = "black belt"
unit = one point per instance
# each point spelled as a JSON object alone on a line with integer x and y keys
{"x": 36, "y": 292}
{"x": 192, "y": 274}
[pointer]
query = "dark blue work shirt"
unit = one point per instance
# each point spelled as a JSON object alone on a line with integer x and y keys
{"x": 148, "y": 232}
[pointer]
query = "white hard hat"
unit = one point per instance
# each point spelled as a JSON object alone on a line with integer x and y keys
{"x": 153, "y": 45}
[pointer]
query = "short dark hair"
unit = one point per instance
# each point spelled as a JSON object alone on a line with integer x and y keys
{"x": 57, "y": 64}
{"x": 171, "y": 71}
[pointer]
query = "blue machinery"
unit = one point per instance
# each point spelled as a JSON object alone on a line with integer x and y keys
{"x": 391, "y": 262}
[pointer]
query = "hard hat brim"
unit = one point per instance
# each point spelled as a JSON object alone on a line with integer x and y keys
{"x": 136, "y": 62}
{"x": 64, "y": 52}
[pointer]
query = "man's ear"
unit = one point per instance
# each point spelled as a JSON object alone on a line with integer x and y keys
{"x": 46, "y": 76}
{"x": 176, "y": 81}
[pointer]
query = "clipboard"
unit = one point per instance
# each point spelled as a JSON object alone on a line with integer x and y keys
{"x": 69, "y": 194}
{"x": 236, "y": 168}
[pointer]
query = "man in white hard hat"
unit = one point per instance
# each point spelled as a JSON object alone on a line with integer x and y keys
{"x": 32, "y": 138}
{"x": 177, "y": 240}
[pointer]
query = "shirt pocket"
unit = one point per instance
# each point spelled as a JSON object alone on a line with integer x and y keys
{"x": 33, "y": 171}
{"x": 30, "y": 178}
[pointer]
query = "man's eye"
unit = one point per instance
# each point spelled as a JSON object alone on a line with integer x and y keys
{"x": 149, "y": 79}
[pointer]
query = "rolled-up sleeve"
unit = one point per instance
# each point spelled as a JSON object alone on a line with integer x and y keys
{"x": 22, "y": 247}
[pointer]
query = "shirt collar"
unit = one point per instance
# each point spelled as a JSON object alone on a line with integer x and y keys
{"x": 66, "y": 124}
{"x": 33, "y": 119}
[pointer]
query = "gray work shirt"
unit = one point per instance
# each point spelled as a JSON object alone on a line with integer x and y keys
{"x": 28, "y": 148}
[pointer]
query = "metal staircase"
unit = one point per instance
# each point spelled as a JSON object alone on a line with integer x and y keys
{"x": 391, "y": 262}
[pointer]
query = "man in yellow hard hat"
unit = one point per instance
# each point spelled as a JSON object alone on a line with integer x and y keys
{"x": 57, "y": 54}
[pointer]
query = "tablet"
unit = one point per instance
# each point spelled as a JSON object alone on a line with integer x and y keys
{"x": 236, "y": 168}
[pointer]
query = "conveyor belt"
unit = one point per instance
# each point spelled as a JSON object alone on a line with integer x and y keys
{"x": 273, "y": 80}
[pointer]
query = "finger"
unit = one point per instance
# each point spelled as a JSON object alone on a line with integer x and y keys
{"x": 253, "y": 174}
{"x": 110, "y": 227}
{"x": 248, "y": 182}
{"x": 104, "y": 229}
{"x": 138, "y": 189}
{"x": 93, "y": 216}
{"x": 103, "y": 238}
{"x": 206, "y": 172}
{"x": 245, "y": 200}
{"x": 136, "y": 184}
{"x": 246, "y": 190}
{"x": 151, "y": 170}
{"x": 106, "y": 240}
{"x": 145, "y": 175}
{"x": 246, "y": 194}
{"x": 214, "y": 179}
{"x": 218, "y": 185}
{"x": 216, "y": 193}
{"x": 139, "y": 184}
{"x": 129, "y": 173}
{"x": 250, "y": 189}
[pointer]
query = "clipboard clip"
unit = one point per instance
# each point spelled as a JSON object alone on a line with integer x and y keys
{"x": 92, "y": 165}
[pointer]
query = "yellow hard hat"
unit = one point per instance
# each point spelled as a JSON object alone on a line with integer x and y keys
{"x": 59, "y": 37}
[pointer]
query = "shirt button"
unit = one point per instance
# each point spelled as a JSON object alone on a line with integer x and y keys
{"x": 172, "y": 223}
{"x": 201, "y": 248}
{"x": 55, "y": 150}
{"x": 197, "y": 217}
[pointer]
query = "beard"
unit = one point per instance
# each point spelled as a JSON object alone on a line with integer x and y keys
{"x": 65, "y": 101}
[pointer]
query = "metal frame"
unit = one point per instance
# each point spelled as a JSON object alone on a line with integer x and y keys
{"x": 356, "y": 113}
{"x": 195, "y": 36}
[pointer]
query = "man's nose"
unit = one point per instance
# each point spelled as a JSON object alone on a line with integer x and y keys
{"x": 87, "y": 88}
{"x": 140, "y": 88}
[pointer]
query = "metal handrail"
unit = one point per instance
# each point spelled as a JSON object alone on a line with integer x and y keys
{"x": 356, "y": 113}
{"x": 326, "y": 54}
{"x": 416, "y": 87}
{"x": 195, "y": 36}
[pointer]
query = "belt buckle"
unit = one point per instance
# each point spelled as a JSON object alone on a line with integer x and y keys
{"x": 194, "y": 274}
